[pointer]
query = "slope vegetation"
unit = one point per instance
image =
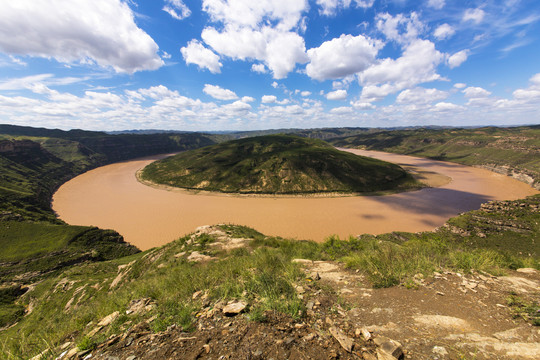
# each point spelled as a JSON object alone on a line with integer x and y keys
{"x": 276, "y": 164}
{"x": 510, "y": 151}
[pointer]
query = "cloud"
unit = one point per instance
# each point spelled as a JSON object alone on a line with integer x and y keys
{"x": 444, "y": 106}
{"x": 416, "y": 65}
{"x": 458, "y": 58}
{"x": 460, "y": 85}
{"x": 400, "y": 28}
{"x": 177, "y": 9}
{"x": 279, "y": 50}
{"x": 238, "y": 107}
{"x": 305, "y": 93}
{"x": 474, "y": 15}
{"x": 330, "y": 7}
{"x": 337, "y": 95}
{"x": 342, "y": 110}
{"x": 253, "y": 13}
{"x": 248, "y": 99}
{"x": 475, "y": 92}
{"x": 360, "y": 105}
{"x": 196, "y": 53}
{"x": 268, "y": 99}
{"x": 436, "y": 4}
{"x": 444, "y": 31}
{"x": 219, "y": 93}
{"x": 342, "y": 56}
{"x": 99, "y": 31}
{"x": 420, "y": 96}
{"x": 38, "y": 81}
{"x": 259, "y": 68}
{"x": 530, "y": 94}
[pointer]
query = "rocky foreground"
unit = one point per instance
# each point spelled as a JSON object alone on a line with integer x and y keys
{"x": 446, "y": 315}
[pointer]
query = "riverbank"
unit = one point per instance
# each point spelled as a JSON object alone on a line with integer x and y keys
{"x": 111, "y": 197}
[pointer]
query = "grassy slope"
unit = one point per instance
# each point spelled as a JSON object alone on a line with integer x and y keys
{"x": 262, "y": 274}
{"x": 516, "y": 148}
{"x": 33, "y": 163}
{"x": 279, "y": 164}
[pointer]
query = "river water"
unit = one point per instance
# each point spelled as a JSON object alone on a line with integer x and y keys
{"x": 110, "y": 197}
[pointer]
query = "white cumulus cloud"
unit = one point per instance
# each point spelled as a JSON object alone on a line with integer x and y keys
{"x": 444, "y": 31}
{"x": 342, "y": 56}
{"x": 337, "y": 95}
{"x": 99, "y": 31}
{"x": 287, "y": 13}
{"x": 196, "y": 53}
{"x": 259, "y": 68}
{"x": 458, "y": 58}
{"x": 279, "y": 50}
{"x": 268, "y": 99}
{"x": 342, "y": 110}
{"x": 177, "y": 9}
{"x": 400, "y": 28}
{"x": 445, "y": 106}
{"x": 219, "y": 93}
{"x": 474, "y": 15}
{"x": 421, "y": 96}
{"x": 475, "y": 92}
{"x": 417, "y": 65}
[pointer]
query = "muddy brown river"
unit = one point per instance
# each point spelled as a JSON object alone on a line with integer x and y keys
{"x": 110, "y": 197}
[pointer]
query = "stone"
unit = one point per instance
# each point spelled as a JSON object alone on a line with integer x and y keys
{"x": 389, "y": 346}
{"x": 198, "y": 257}
{"x": 234, "y": 308}
{"x": 71, "y": 353}
{"x": 107, "y": 320}
{"x": 368, "y": 356}
{"x": 94, "y": 331}
{"x": 302, "y": 261}
{"x": 383, "y": 355}
{"x": 440, "y": 350}
{"x": 139, "y": 306}
{"x": 345, "y": 341}
{"x": 527, "y": 271}
{"x": 365, "y": 334}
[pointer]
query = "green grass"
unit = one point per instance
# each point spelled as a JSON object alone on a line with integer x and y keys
{"x": 277, "y": 164}
{"x": 526, "y": 309}
{"x": 21, "y": 240}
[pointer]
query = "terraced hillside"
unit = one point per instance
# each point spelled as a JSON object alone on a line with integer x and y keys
{"x": 276, "y": 164}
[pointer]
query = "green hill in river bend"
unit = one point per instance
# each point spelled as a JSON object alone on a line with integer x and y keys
{"x": 276, "y": 164}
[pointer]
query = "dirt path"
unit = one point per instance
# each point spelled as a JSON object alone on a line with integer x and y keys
{"x": 448, "y": 316}
{"x": 111, "y": 197}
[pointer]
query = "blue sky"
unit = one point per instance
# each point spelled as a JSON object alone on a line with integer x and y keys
{"x": 246, "y": 65}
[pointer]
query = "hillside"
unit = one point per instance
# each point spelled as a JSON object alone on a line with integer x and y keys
{"x": 510, "y": 151}
{"x": 228, "y": 290}
{"x": 276, "y": 164}
{"x": 33, "y": 164}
